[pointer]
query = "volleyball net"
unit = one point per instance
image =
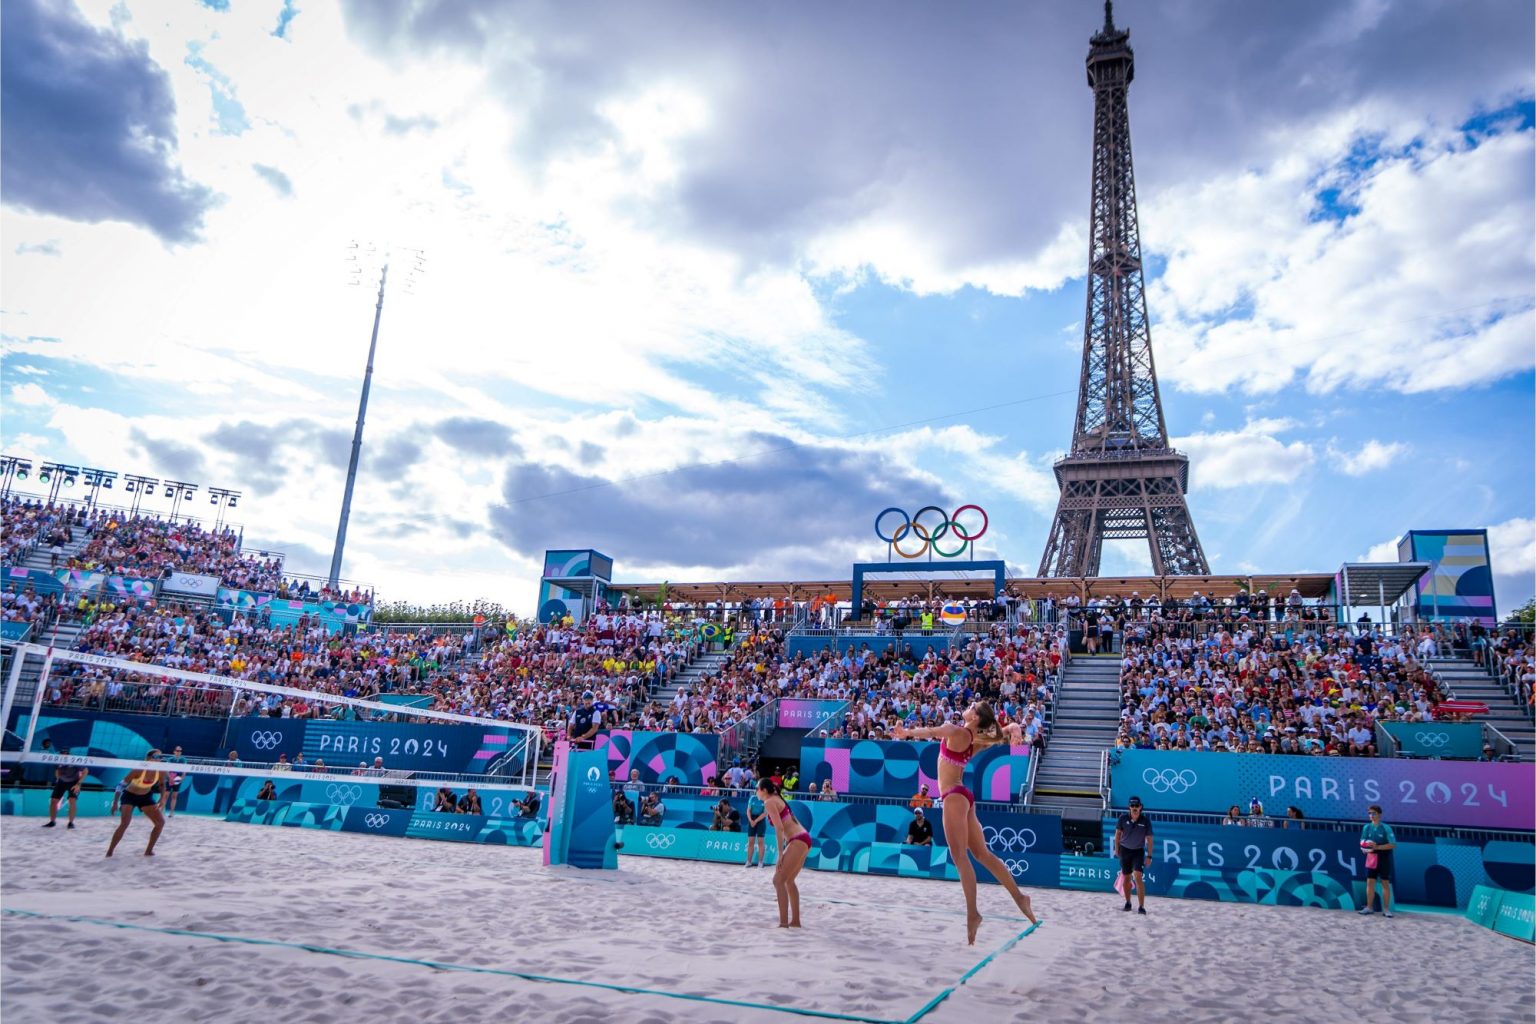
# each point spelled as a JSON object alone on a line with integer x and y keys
{"x": 347, "y": 750}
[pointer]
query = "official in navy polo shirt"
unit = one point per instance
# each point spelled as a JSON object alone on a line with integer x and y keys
{"x": 1133, "y": 845}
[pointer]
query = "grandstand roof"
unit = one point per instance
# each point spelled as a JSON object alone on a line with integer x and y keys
{"x": 1379, "y": 583}
{"x": 927, "y": 582}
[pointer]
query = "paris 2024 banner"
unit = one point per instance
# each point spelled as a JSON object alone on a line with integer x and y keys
{"x": 1492, "y": 795}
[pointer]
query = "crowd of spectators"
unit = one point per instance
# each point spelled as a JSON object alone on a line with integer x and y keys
{"x": 1315, "y": 689}
{"x": 148, "y": 548}
{"x": 28, "y": 525}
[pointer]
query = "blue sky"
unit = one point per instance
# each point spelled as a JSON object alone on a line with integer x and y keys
{"x": 707, "y": 286}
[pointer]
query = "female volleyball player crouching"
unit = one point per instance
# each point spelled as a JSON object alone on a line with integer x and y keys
{"x": 794, "y": 843}
{"x": 962, "y": 829}
{"x": 139, "y": 791}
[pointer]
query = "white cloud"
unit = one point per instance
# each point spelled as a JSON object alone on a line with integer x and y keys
{"x": 1373, "y": 455}
{"x": 1242, "y": 458}
{"x": 1425, "y": 284}
{"x": 1512, "y": 553}
{"x": 32, "y": 394}
{"x": 1386, "y": 551}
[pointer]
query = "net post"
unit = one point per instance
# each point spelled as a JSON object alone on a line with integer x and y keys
{"x": 37, "y": 701}
{"x": 12, "y": 683}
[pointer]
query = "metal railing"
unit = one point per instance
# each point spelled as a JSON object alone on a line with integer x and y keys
{"x": 1334, "y": 825}
{"x": 748, "y": 734}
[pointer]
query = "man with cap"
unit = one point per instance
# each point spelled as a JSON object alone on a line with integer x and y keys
{"x": 585, "y": 721}
{"x": 920, "y": 831}
{"x": 1133, "y": 845}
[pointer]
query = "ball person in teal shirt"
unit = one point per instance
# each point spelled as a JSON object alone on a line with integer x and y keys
{"x": 1378, "y": 842}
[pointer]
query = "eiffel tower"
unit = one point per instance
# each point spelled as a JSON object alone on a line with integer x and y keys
{"x": 1121, "y": 480}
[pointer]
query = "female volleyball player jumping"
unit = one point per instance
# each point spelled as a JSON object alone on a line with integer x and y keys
{"x": 962, "y": 829}
{"x": 794, "y": 843}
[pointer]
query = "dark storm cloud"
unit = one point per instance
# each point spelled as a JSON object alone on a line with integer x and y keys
{"x": 87, "y": 125}
{"x": 280, "y": 182}
{"x": 477, "y": 436}
{"x": 716, "y": 515}
{"x": 969, "y": 121}
{"x": 176, "y": 461}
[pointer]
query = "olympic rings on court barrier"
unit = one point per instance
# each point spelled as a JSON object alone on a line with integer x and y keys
{"x": 931, "y": 533}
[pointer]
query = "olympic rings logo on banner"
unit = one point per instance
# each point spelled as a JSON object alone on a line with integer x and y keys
{"x": 375, "y": 820}
{"x": 659, "y": 840}
{"x": 1018, "y": 866}
{"x": 343, "y": 794}
{"x": 1169, "y": 781}
{"x": 1431, "y": 739}
{"x": 1009, "y": 838}
{"x": 266, "y": 740}
{"x": 931, "y": 534}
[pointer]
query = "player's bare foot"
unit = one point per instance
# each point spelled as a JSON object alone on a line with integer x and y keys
{"x": 1026, "y": 907}
{"x": 972, "y": 926}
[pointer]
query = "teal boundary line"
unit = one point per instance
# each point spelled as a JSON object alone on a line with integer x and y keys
{"x": 933, "y": 1004}
{"x": 354, "y": 954}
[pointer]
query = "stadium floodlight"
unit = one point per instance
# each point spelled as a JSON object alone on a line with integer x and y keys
{"x": 57, "y": 474}
{"x": 12, "y": 469}
{"x": 178, "y": 491}
{"x": 222, "y": 498}
{"x": 358, "y": 255}
{"x": 96, "y": 479}
{"x": 140, "y": 487}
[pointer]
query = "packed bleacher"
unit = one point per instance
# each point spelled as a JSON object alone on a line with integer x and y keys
{"x": 147, "y": 546}
{"x": 1299, "y": 685}
{"x": 29, "y": 525}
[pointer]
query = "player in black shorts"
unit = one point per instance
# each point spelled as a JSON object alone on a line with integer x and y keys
{"x": 66, "y": 783}
{"x": 1133, "y": 844}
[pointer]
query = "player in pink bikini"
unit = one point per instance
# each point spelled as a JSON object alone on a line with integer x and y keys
{"x": 962, "y": 829}
{"x": 794, "y": 844}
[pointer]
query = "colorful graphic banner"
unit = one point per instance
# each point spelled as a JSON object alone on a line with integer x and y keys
{"x": 333, "y": 615}
{"x": 796, "y": 713}
{"x": 1459, "y": 584}
{"x": 899, "y": 768}
{"x": 688, "y": 759}
{"x": 1456, "y": 740}
{"x": 126, "y": 588}
{"x": 232, "y": 600}
{"x": 81, "y": 581}
{"x": 1470, "y": 795}
{"x": 40, "y": 580}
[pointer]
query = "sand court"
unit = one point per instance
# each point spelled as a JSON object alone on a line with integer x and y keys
{"x": 429, "y": 916}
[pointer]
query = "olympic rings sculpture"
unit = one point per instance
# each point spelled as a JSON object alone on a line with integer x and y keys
{"x": 930, "y": 535}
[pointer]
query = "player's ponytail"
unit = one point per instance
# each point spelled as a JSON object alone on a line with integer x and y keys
{"x": 988, "y": 732}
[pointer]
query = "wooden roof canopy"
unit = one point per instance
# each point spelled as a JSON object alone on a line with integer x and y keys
{"x": 886, "y": 588}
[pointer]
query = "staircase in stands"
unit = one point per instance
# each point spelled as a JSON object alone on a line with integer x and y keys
{"x": 1086, "y": 718}
{"x": 1465, "y": 680}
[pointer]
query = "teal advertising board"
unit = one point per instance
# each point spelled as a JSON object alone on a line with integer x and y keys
{"x": 1456, "y": 740}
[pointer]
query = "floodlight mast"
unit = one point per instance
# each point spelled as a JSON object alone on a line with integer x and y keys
{"x": 357, "y": 437}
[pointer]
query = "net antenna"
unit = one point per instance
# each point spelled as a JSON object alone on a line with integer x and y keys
{"x": 514, "y": 771}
